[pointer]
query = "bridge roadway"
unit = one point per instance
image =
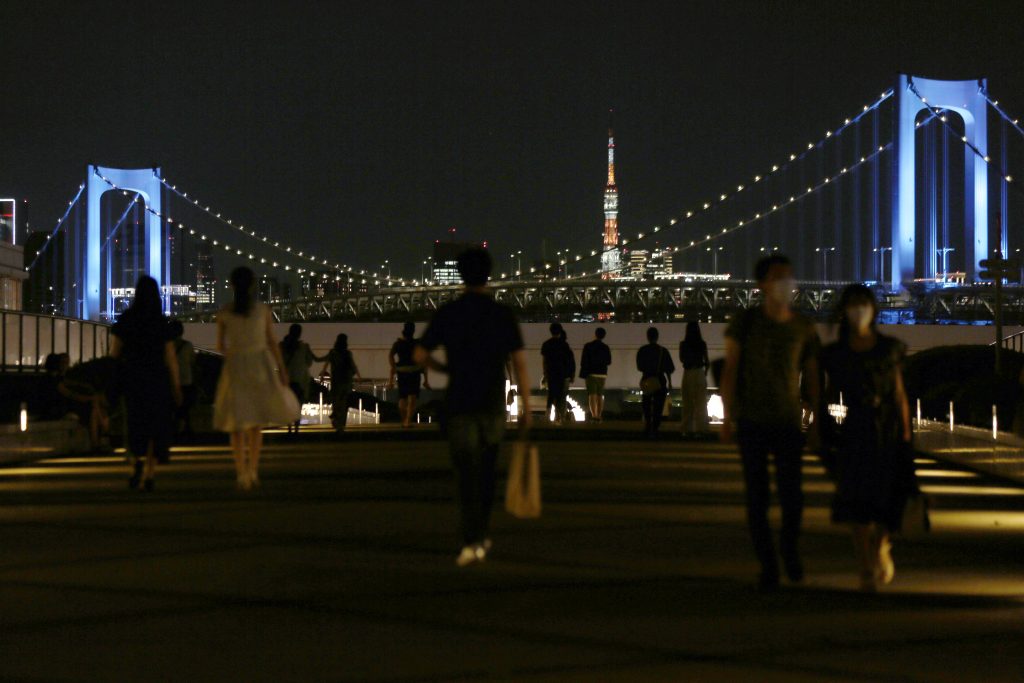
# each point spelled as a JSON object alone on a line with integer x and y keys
{"x": 647, "y": 301}
{"x": 340, "y": 568}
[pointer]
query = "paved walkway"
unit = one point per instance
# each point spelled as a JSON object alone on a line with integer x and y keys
{"x": 341, "y": 569}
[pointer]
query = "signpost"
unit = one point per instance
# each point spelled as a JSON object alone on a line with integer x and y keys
{"x": 998, "y": 269}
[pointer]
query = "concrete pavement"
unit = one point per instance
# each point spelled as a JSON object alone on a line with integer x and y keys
{"x": 341, "y": 568}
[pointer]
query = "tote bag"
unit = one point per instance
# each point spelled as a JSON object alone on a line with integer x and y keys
{"x": 522, "y": 494}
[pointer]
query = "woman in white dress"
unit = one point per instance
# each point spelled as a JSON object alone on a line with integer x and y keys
{"x": 252, "y": 392}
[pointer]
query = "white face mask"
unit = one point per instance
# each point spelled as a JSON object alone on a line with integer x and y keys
{"x": 780, "y": 291}
{"x": 860, "y": 317}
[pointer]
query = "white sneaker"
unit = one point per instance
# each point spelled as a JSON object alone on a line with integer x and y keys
{"x": 470, "y": 554}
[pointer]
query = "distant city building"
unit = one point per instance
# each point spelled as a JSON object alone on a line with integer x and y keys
{"x": 659, "y": 264}
{"x": 610, "y": 255}
{"x": 12, "y": 272}
{"x": 206, "y": 276}
{"x": 179, "y": 299}
{"x": 446, "y": 254}
{"x": 637, "y": 267}
{"x": 649, "y": 265}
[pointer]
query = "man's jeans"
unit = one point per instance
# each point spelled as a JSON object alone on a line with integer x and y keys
{"x": 785, "y": 442}
{"x": 474, "y": 441}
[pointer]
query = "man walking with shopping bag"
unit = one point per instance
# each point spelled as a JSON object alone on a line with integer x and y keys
{"x": 478, "y": 335}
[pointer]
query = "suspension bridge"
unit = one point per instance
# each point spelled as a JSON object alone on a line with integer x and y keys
{"x": 907, "y": 193}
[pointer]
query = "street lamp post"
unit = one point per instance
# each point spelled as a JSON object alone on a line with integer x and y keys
{"x": 944, "y": 255}
{"x": 881, "y": 262}
{"x": 824, "y": 251}
{"x": 714, "y": 255}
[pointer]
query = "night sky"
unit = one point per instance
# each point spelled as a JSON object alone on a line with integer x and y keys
{"x": 366, "y": 130}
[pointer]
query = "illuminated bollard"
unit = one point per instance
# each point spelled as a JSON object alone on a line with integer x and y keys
{"x": 950, "y": 416}
{"x": 376, "y": 413}
{"x": 995, "y": 424}
{"x": 361, "y": 411}
{"x": 919, "y": 412}
{"x": 23, "y": 418}
{"x": 321, "y": 407}
{"x": 417, "y": 418}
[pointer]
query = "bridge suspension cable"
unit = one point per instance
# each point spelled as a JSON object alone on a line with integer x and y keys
{"x": 724, "y": 197}
{"x": 60, "y": 222}
{"x": 995, "y": 105}
{"x": 264, "y": 238}
{"x": 217, "y": 243}
{"x": 963, "y": 138}
{"x": 781, "y": 204}
{"x": 122, "y": 219}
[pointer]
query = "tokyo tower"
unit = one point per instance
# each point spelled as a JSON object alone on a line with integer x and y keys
{"x": 610, "y": 255}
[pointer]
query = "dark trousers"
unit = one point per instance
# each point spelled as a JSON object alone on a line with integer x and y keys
{"x": 785, "y": 443}
{"x": 474, "y": 442}
{"x": 653, "y": 404}
{"x": 339, "y": 406}
{"x": 557, "y": 397}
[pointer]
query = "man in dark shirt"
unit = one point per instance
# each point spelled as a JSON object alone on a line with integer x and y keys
{"x": 559, "y": 369}
{"x": 768, "y": 351}
{"x": 479, "y": 335}
{"x": 594, "y": 362}
{"x": 656, "y": 367}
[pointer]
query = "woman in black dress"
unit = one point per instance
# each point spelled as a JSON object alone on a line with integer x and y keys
{"x": 144, "y": 341}
{"x": 873, "y": 464}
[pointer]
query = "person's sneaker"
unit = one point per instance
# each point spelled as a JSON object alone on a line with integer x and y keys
{"x": 470, "y": 554}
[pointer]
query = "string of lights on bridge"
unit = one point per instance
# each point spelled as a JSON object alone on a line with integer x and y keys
{"x": 963, "y": 138}
{"x": 935, "y": 113}
{"x": 264, "y": 239}
{"x": 1006, "y": 117}
{"x": 226, "y": 246}
{"x": 724, "y": 197}
{"x": 56, "y": 229}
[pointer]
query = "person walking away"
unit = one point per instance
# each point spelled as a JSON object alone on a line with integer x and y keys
{"x": 407, "y": 373}
{"x": 478, "y": 335}
{"x": 249, "y": 391}
{"x": 341, "y": 367}
{"x": 656, "y": 367}
{"x": 143, "y": 340}
{"x": 186, "y": 355}
{"x": 559, "y": 368}
{"x": 298, "y": 358}
{"x": 594, "y": 362}
{"x": 693, "y": 354}
{"x": 874, "y": 467}
{"x": 768, "y": 349}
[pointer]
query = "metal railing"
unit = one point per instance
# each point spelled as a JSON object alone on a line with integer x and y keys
{"x": 27, "y": 338}
{"x": 1015, "y": 342}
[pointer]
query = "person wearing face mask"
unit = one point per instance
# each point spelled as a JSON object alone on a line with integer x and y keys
{"x": 874, "y": 467}
{"x": 771, "y": 363}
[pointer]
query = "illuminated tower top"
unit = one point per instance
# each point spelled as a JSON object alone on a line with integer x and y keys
{"x": 610, "y": 257}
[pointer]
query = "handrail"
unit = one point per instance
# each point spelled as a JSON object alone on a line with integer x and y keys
{"x": 27, "y": 338}
{"x": 1014, "y": 342}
